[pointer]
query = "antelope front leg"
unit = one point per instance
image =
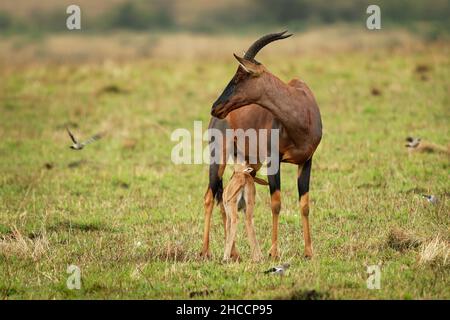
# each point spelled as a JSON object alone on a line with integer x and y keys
{"x": 304, "y": 208}
{"x": 303, "y": 191}
{"x": 275, "y": 204}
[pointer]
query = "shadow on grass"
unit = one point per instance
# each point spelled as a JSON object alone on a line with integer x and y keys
{"x": 73, "y": 226}
{"x": 304, "y": 294}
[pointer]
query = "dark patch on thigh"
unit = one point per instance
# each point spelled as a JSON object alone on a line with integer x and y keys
{"x": 303, "y": 179}
{"x": 215, "y": 182}
{"x": 275, "y": 181}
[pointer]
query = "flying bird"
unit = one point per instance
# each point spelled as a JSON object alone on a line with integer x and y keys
{"x": 430, "y": 198}
{"x": 278, "y": 269}
{"x": 80, "y": 145}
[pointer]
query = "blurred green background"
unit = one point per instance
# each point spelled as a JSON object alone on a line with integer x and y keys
{"x": 18, "y": 16}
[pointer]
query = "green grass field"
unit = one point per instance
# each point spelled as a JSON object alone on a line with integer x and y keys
{"x": 132, "y": 221}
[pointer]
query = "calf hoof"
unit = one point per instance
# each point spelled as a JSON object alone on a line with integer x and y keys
{"x": 226, "y": 260}
{"x": 231, "y": 259}
{"x": 205, "y": 254}
{"x": 257, "y": 258}
{"x": 235, "y": 254}
{"x": 236, "y": 257}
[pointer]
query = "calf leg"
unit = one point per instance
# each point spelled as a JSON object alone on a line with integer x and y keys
{"x": 231, "y": 228}
{"x": 226, "y": 224}
{"x": 227, "y": 251}
{"x": 249, "y": 226}
{"x": 303, "y": 192}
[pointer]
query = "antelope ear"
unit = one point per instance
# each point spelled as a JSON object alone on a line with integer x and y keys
{"x": 247, "y": 65}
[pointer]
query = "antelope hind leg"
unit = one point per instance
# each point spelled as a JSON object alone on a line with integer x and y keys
{"x": 208, "y": 207}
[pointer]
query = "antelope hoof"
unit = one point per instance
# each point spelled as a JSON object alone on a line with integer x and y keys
{"x": 308, "y": 254}
{"x": 274, "y": 254}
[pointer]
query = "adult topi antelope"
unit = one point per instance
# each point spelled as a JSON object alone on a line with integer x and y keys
{"x": 255, "y": 98}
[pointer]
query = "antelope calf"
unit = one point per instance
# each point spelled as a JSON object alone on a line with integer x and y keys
{"x": 240, "y": 194}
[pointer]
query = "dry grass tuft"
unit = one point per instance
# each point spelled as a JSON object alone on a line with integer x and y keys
{"x": 24, "y": 247}
{"x": 375, "y": 92}
{"x": 435, "y": 252}
{"x": 200, "y": 293}
{"x": 171, "y": 252}
{"x": 400, "y": 240}
{"x": 111, "y": 89}
{"x": 422, "y": 68}
{"x": 129, "y": 143}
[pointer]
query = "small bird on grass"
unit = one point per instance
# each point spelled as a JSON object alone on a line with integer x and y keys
{"x": 80, "y": 145}
{"x": 412, "y": 142}
{"x": 430, "y": 198}
{"x": 417, "y": 145}
{"x": 280, "y": 270}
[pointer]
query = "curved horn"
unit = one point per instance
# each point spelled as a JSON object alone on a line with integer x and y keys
{"x": 262, "y": 42}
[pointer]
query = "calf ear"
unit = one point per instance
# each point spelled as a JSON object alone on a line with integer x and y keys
{"x": 247, "y": 170}
{"x": 260, "y": 181}
{"x": 248, "y": 66}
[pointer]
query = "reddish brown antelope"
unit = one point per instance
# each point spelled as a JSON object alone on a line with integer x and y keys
{"x": 255, "y": 98}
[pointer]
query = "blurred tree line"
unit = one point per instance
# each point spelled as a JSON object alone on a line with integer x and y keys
{"x": 243, "y": 15}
